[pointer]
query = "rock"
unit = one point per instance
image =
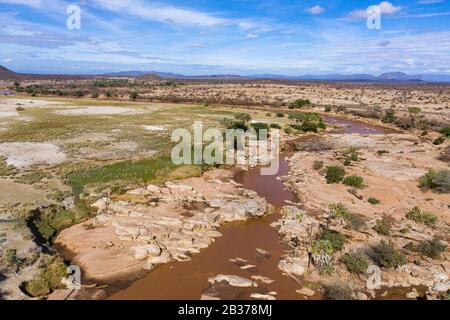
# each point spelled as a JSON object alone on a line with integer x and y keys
{"x": 292, "y": 265}
{"x": 142, "y": 252}
{"x": 262, "y": 296}
{"x": 148, "y": 266}
{"x": 235, "y": 281}
{"x": 207, "y": 297}
{"x": 152, "y": 188}
{"x": 262, "y": 279}
{"x": 412, "y": 295}
{"x": 163, "y": 258}
{"x": 101, "y": 204}
{"x": 217, "y": 203}
{"x": 361, "y": 296}
{"x": 441, "y": 287}
{"x": 248, "y": 267}
{"x": 306, "y": 292}
{"x": 138, "y": 191}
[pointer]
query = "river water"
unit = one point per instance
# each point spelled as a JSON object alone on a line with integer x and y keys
{"x": 189, "y": 280}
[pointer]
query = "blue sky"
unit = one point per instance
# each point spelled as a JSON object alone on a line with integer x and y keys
{"x": 233, "y": 36}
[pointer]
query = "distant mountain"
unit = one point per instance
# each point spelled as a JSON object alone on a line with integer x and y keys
{"x": 388, "y": 77}
{"x": 6, "y": 73}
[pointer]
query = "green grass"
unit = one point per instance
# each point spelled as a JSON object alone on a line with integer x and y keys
{"x": 418, "y": 215}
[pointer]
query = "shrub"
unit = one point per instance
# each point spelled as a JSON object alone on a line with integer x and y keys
{"x": 321, "y": 251}
{"x": 307, "y": 122}
{"x": 418, "y": 215}
{"x": 95, "y": 95}
{"x": 350, "y": 155}
{"x": 336, "y": 238}
{"x": 242, "y": 116}
{"x": 12, "y": 260}
{"x": 354, "y": 181}
{"x": 52, "y": 271}
{"x": 431, "y": 248}
{"x": 280, "y": 114}
{"x": 20, "y": 109}
{"x": 317, "y": 165}
{"x": 385, "y": 255}
{"x": 389, "y": 116}
{"x": 355, "y": 262}
{"x": 383, "y": 227}
{"x": 328, "y": 109}
{"x": 334, "y": 174}
{"x": 134, "y": 96}
{"x": 373, "y": 201}
{"x": 445, "y": 132}
{"x": 268, "y": 114}
{"x": 338, "y": 291}
{"x": 299, "y": 103}
{"x": 275, "y": 126}
{"x": 438, "y": 181}
{"x": 439, "y": 141}
{"x": 339, "y": 211}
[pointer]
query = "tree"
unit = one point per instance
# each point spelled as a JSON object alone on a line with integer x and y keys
{"x": 413, "y": 112}
{"x": 134, "y": 96}
{"x": 307, "y": 121}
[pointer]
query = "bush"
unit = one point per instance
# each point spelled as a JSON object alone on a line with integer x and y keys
{"x": 354, "y": 181}
{"x": 280, "y": 114}
{"x": 317, "y": 165}
{"x": 350, "y": 155}
{"x": 307, "y": 122}
{"x": 439, "y": 141}
{"x": 275, "y": 126}
{"x": 52, "y": 271}
{"x": 418, "y": 215}
{"x": 339, "y": 211}
{"x": 389, "y": 116}
{"x": 336, "y": 238}
{"x": 431, "y": 248}
{"x": 383, "y": 227}
{"x": 327, "y": 109}
{"x": 445, "y": 132}
{"x": 20, "y": 109}
{"x": 338, "y": 291}
{"x": 385, "y": 255}
{"x": 242, "y": 116}
{"x": 268, "y": 114}
{"x": 438, "y": 181}
{"x": 134, "y": 96}
{"x": 373, "y": 201}
{"x": 355, "y": 262}
{"x": 334, "y": 174}
{"x": 299, "y": 103}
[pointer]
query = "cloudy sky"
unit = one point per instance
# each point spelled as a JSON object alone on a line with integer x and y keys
{"x": 226, "y": 36}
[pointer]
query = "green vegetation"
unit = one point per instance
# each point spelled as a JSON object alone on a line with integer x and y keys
{"x": 134, "y": 96}
{"x": 12, "y": 260}
{"x": 338, "y": 291}
{"x": 336, "y": 238}
{"x": 418, "y": 215}
{"x": 389, "y": 116}
{"x": 318, "y": 165}
{"x": 445, "y": 132}
{"x": 52, "y": 270}
{"x": 243, "y": 116}
{"x": 339, "y": 211}
{"x": 355, "y": 262}
{"x": 327, "y": 109}
{"x": 438, "y": 141}
{"x": 386, "y": 256}
{"x": 307, "y": 122}
{"x": 383, "y": 227}
{"x": 275, "y": 126}
{"x": 5, "y": 169}
{"x": 299, "y": 103}
{"x": 280, "y": 114}
{"x": 334, "y": 174}
{"x": 350, "y": 155}
{"x": 373, "y": 201}
{"x": 438, "y": 181}
{"x": 354, "y": 181}
{"x": 430, "y": 248}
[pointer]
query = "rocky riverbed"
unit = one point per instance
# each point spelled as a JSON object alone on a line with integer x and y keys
{"x": 147, "y": 227}
{"x": 339, "y": 228}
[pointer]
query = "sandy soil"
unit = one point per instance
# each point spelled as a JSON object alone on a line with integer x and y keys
{"x": 97, "y": 111}
{"x": 23, "y": 154}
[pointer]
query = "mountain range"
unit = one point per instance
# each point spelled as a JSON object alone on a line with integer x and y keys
{"x": 389, "y": 77}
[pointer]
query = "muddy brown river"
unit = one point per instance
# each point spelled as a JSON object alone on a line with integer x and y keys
{"x": 189, "y": 280}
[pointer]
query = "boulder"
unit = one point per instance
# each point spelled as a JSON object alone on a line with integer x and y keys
{"x": 292, "y": 265}
{"x": 306, "y": 292}
{"x": 232, "y": 280}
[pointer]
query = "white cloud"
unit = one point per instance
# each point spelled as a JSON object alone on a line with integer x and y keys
{"x": 7, "y": 60}
{"x": 386, "y": 8}
{"x": 315, "y": 10}
{"x": 251, "y": 36}
{"x": 197, "y": 46}
{"x": 30, "y": 3}
{"x": 161, "y": 13}
{"x": 429, "y": 1}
